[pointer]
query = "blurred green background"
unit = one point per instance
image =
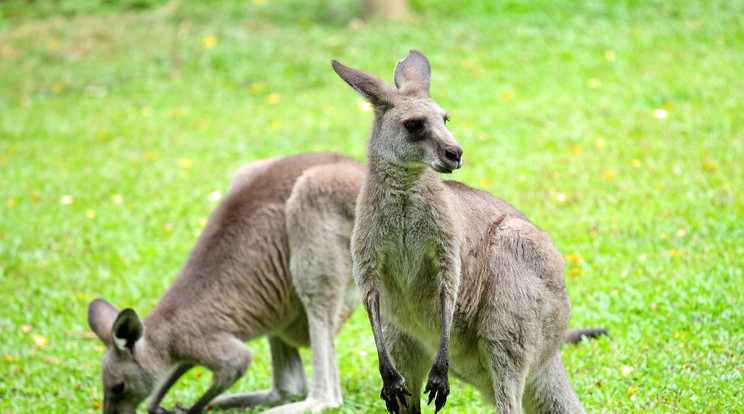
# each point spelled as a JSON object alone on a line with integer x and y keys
{"x": 616, "y": 126}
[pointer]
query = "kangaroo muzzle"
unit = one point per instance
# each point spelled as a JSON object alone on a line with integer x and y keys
{"x": 451, "y": 157}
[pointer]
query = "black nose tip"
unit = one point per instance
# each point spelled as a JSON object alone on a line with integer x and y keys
{"x": 453, "y": 155}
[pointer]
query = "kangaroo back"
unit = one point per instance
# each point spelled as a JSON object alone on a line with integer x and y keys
{"x": 237, "y": 284}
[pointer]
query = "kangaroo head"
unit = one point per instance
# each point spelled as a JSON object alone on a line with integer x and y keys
{"x": 410, "y": 129}
{"x": 128, "y": 377}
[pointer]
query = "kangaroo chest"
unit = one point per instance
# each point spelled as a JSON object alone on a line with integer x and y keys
{"x": 409, "y": 261}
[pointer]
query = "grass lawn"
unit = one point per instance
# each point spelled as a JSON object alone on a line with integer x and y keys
{"x": 616, "y": 126}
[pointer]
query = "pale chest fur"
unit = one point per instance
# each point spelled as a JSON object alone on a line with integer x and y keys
{"x": 408, "y": 243}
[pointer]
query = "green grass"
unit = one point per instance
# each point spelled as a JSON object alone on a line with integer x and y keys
{"x": 122, "y": 108}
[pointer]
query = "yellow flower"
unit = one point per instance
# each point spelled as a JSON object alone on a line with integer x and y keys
{"x": 66, "y": 200}
{"x": 675, "y": 253}
{"x": 210, "y": 42}
{"x": 626, "y": 370}
{"x": 575, "y": 258}
{"x": 560, "y": 197}
{"x": 577, "y": 150}
{"x": 276, "y": 125}
{"x": 40, "y": 341}
{"x": 601, "y": 142}
{"x": 255, "y": 88}
{"x": 117, "y": 198}
{"x": 485, "y": 182}
{"x": 506, "y": 96}
{"x": 364, "y": 106}
{"x": 53, "y": 43}
{"x": 11, "y": 203}
{"x": 273, "y": 99}
{"x": 607, "y": 174}
{"x": 185, "y": 163}
{"x": 90, "y": 214}
{"x": 58, "y": 88}
{"x": 660, "y": 114}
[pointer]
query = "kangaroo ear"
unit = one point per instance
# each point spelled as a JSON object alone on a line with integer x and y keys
{"x": 378, "y": 92}
{"x": 127, "y": 330}
{"x": 413, "y": 74}
{"x": 101, "y": 317}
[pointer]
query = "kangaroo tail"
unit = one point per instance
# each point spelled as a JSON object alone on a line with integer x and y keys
{"x": 574, "y": 336}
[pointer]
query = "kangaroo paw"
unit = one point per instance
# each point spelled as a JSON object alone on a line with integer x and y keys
{"x": 438, "y": 389}
{"x": 394, "y": 391}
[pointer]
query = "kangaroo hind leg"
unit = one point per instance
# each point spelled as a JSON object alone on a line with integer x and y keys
{"x": 548, "y": 390}
{"x": 411, "y": 360}
{"x": 288, "y": 380}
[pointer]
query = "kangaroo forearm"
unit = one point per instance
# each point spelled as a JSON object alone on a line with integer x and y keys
{"x": 172, "y": 378}
{"x": 448, "y": 310}
{"x": 438, "y": 384}
{"x": 372, "y": 305}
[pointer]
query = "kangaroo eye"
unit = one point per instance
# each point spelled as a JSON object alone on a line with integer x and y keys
{"x": 413, "y": 125}
{"x": 118, "y": 389}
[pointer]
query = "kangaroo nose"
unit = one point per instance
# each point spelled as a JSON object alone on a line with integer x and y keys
{"x": 454, "y": 155}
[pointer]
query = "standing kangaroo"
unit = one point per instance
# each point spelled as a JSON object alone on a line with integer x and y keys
{"x": 273, "y": 260}
{"x": 448, "y": 273}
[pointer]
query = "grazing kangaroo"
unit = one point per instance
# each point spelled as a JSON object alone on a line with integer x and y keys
{"x": 448, "y": 273}
{"x": 272, "y": 260}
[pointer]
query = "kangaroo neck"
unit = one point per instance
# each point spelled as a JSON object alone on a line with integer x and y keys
{"x": 400, "y": 177}
{"x": 157, "y": 340}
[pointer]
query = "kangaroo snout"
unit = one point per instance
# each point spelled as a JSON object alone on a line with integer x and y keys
{"x": 451, "y": 157}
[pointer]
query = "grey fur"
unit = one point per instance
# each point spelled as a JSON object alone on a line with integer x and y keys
{"x": 452, "y": 278}
{"x": 240, "y": 282}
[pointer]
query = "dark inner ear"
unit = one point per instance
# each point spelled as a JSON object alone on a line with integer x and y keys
{"x": 127, "y": 330}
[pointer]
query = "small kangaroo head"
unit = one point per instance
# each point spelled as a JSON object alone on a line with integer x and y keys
{"x": 409, "y": 128}
{"x": 128, "y": 377}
